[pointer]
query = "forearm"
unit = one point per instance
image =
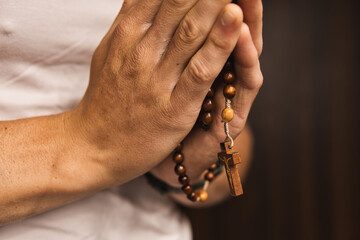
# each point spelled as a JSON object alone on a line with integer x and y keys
{"x": 218, "y": 189}
{"x": 42, "y": 166}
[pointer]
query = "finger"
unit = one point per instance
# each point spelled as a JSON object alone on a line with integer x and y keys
{"x": 167, "y": 19}
{"x": 127, "y": 5}
{"x": 249, "y": 77}
{"x": 253, "y": 15}
{"x": 191, "y": 33}
{"x": 141, "y": 12}
{"x": 206, "y": 64}
{"x": 131, "y": 25}
{"x": 102, "y": 50}
{"x": 135, "y": 17}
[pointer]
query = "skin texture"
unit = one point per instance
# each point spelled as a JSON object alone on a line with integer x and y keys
{"x": 149, "y": 76}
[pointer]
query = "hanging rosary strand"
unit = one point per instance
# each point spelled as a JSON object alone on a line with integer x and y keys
{"x": 227, "y": 156}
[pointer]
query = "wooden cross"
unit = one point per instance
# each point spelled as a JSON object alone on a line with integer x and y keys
{"x": 231, "y": 159}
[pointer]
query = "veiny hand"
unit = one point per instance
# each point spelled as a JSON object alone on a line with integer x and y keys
{"x": 149, "y": 77}
{"x": 201, "y": 147}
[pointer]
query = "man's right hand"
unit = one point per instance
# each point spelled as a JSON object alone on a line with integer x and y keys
{"x": 149, "y": 77}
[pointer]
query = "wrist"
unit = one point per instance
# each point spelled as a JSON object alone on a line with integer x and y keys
{"x": 109, "y": 151}
{"x": 87, "y": 156}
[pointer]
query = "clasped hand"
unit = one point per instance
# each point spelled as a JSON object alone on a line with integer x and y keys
{"x": 150, "y": 74}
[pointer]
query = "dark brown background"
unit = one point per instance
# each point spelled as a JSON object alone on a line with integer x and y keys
{"x": 304, "y": 181}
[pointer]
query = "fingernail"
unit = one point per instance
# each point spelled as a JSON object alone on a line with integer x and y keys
{"x": 227, "y": 18}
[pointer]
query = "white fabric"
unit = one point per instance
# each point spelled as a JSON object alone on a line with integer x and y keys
{"x": 45, "y": 53}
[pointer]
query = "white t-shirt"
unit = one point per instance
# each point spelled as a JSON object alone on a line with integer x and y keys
{"x": 45, "y": 52}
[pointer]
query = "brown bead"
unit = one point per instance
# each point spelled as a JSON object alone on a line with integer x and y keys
{"x": 210, "y": 93}
{"x": 207, "y": 118}
{"x": 187, "y": 189}
{"x": 178, "y": 157}
{"x": 229, "y": 91}
{"x": 213, "y": 167}
{"x": 193, "y": 196}
{"x": 184, "y": 180}
{"x": 180, "y": 169}
{"x": 209, "y": 176}
{"x": 178, "y": 148}
{"x": 203, "y": 195}
{"x": 227, "y": 114}
{"x": 208, "y": 105}
{"x": 229, "y": 77}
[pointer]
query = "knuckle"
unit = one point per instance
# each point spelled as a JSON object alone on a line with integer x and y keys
{"x": 199, "y": 72}
{"x": 135, "y": 61}
{"x": 121, "y": 31}
{"x": 222, "y": 43}
{"x": 188, "y": 32}
{"x": 251, "y": 80}
{"x": 136, "y": 55}
{"x": 257, "y": 83}
{"x": 177, "y": 3}
{"x": 139, "y": 52}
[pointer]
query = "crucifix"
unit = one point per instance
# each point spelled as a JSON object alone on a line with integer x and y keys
{"x": 231, "y": 159}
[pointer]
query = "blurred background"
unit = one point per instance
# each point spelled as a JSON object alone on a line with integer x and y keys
{"x": 304, "y": 182}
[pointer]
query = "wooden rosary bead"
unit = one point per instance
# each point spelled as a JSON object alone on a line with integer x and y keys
{"x": 207, "y": 118}
{"x": 229, "y": 77}
{"x": 192, "y": 196}
{"x": 184, "y": 180}
{"x": 229, "y": 91}
{"x": 210, "y": 93}
{"x": 203, "y": 195}
{"x": 187, "y": 189}
{"x": 178, "y": 157}
{"x": 208, "y": 105}
{"x": 227, "y": 114}
{"x": 180, "y": 169}
{"x": 178, "y": 148}
{"x": 213, "y": 167}
{"x": 209, "y": 176}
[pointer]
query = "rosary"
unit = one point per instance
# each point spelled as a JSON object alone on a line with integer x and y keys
{"x": 227, "y": 156}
